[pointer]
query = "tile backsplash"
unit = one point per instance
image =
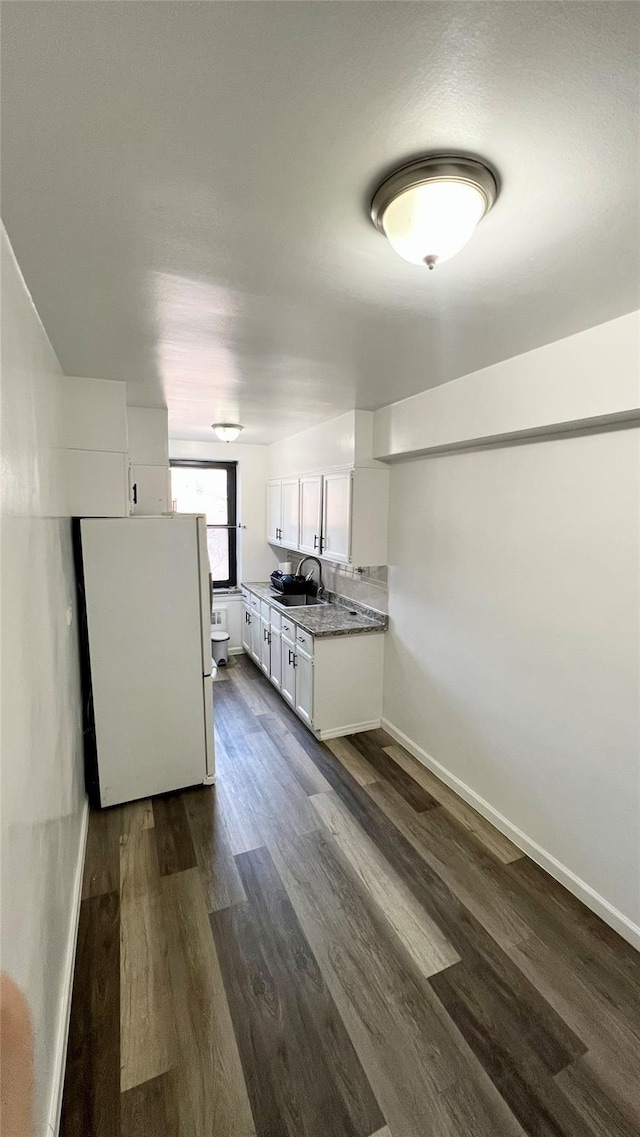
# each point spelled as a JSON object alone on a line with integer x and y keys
{"x": 364, "y": 585}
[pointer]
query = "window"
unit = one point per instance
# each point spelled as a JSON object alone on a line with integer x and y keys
{"x": 210, "y": 488}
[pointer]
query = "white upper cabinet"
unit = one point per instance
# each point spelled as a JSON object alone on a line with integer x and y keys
{"x": 290, "y": 529}
{"x": 341, "y": 492}
{"x": 274, "y": 511}
{"x": 150, "y": 489}
{"x": 336, "y": 516}
{"x": 148, "y": 436}
{"x": 310, "y": 514}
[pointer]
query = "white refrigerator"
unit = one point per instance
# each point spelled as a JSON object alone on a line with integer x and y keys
{"x": 145, "y": 639}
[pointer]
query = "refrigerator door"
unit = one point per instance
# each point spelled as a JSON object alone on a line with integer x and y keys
{"x": 143, "y": 612}
{"x": 206, "y": 596}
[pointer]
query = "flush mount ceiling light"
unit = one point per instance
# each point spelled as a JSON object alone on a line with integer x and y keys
{"x": 430, "y": 208}
{"x": 227, "y": 431}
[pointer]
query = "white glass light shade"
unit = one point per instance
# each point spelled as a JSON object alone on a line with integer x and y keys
{"x": 429, "y": 208}
{"x": 227, "y": 431}
{"x": 429, "y": 223}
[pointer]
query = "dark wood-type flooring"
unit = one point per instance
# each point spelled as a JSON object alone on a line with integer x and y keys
{"x": 331, "y": 943}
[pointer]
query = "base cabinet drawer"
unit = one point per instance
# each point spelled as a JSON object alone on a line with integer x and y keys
{"x": 304, "y": 641}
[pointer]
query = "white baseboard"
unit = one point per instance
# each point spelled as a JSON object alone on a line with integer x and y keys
{"x": 55, "y": 1106}
{"x": 236, "y": 651}
{"x": 547, "y": 861}
{"x": 354, "y": 728}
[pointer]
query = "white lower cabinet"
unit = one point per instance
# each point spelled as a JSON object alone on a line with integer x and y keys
{"x": 303, "y": 664}
{"x": 288, "y": 670}
{"x": 246, "y": 628}
{"x": 276, "y": 658}
{"x": 256, "y": 636}
{"x": 265, "y": 646}
{"x": 334, "y": 683}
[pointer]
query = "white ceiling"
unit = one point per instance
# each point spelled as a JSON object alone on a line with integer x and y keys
{"x": 185, "y": 185}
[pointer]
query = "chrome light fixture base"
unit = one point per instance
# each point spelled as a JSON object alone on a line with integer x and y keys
{"x": 435, "y": 168}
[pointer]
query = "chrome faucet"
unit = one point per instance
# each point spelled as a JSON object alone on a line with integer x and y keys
{"x": 316, "y": 562}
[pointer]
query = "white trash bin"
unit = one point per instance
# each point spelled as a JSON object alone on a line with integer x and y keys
{"x": 220, "y": 648}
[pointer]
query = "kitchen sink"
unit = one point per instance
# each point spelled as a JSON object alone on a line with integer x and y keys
{"x": 298, "y": 601}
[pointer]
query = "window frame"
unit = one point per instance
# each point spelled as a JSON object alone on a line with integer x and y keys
{"x": 232, "y": 510}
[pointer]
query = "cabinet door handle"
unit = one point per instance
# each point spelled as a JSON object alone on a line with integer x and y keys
{"x": 315, "y": 542}
{"x": 135, "y": 493}
{"x": 295, "y": 660}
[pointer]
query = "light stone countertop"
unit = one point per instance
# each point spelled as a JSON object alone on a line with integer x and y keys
{"x": 340, "y": 617}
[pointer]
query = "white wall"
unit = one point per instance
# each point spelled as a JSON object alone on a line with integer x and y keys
{"x": 513, "y": 655}
{"x": 43, "y": 800}
{"x": 256, "y": 560}
{"x": 590, "y": 377}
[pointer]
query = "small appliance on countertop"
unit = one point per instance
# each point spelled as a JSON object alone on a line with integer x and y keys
{"x": 288, "y": 583}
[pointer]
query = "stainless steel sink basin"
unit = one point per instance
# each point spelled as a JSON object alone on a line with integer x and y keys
{"x": 298, "y": 601}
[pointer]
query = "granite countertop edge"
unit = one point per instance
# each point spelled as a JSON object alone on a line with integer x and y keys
{"x": 338, "y": 615}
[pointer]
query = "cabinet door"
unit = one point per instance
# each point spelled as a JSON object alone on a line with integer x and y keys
{"x": 246, "y": 628}
{"x": 310, "y": 514}
{"x": 276, "y": 658}
{"x": 289, "y": 671}
{"x": 336, "y": 516}
{"x": 291, "y": 512}
{"x": 151, "y": 489}
{"x": 304, "y": 686}
{"x": 274, "y": 511}
{"x": 95, "y": 483}
{"x": 256, "y": 636}
{"x": 265, "y": 646}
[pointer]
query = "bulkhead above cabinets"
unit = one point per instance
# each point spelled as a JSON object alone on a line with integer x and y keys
{"x": 340, "y": 515}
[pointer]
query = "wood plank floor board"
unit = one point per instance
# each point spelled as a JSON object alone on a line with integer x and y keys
{"x": 220, "y": 877}
{"x": 603, "y": 1111}
{"x": 402, "y": 1036}
{"x": 173, "y": 836}
{"x": 592, "y": 960}
{"x": 294, "y": 755}
{"x": 91, "y": 1099}
{"x": 413, "y": 793}
{"x": 423, "y": 940}
{"x": 150, "y": 1109}
{"x": 494, "y": 841}
{"x": 332, "y": 890}
{"x": 513, "y": 993}
{"x": 611, "y": 1043}
{"x": 610, "y": 964}
{"x": 272, "y": 955}
{"x": 454, "y": 853}
{"x": 206, "y": 1079}
{"x": 102, "y": 857}
{"x": 353, "y": 761}
{"x": 237, "y": 793}
{"x": 148, "y": 1043}
{"x": 281, "y": 804}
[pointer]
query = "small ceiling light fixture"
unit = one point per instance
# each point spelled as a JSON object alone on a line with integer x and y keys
{"x": 227, "y": 431}
{"x": 430, "y": 208}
